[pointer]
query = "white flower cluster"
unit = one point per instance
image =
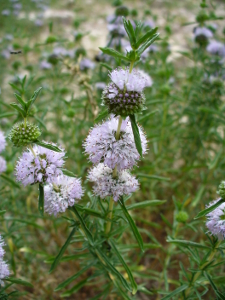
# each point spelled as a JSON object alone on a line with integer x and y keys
{"x": 3, "y": 165}
{"x": 107, "y": 153}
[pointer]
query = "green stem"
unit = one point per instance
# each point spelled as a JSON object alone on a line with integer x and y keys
{"x": 32, "y": 150}
{"x": 25, "y": 123}
{"x": 109, "y": 223}
{"x": 197, "y": 274}
{"x": 119, "y": 128}
{"x": 131, "y": 66}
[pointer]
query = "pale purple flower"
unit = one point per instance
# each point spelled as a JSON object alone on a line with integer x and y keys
{"x": 61, "y": 194}
{"x": 202, "y": 35}
{"x": 107, "y": 186}
{"x": 17, "y": 6}
{"x": 216, "y": 220}
{"x": 62, "y": 51}
{"x": 45, "y": 167}
{"x": 86, "y": 64}
{"x": 38, "y": 22}
{"x": 45, "y": 65}
{"x": 100, "y": 85}
{"x": 149, "y": 23}
{"x": 132, "y": 82}
{"x": 216, "y": 48}
{"x": 9, "y": 37}
{"x": 147, "y": 77}
{"x": 3, "y": 165}
{"x": 6, "y": 12}
{"x": 4, "y": 268}
{"x": 116, "y": 29}
{"x": 101, "y": 145}
{"x": 5, "y": 53}
{"x": 2, "y": 141}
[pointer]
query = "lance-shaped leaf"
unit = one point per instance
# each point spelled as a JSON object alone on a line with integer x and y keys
{"x": 175, "y": 292}
{"x": 132, "y": 224}
{"x": 130, "y": 275}
{"x": 74, "y": 289}
{"x": 130, "y": 31}
{"x": 10, "y": 180}
{"x": 33, "y": 98}
{"x": 186, "y": 244}
{"x": 102, "y": 115}
{"x": 48, "y": 146}
{"x": 21, "y": 101}
{"x": 41, "y": 199}
{"x": 136, "y": 134}
{"x": 146, "y": 37}
{"x": 19, "y": 109}
{"x": 72, "y": 278}
{"x": 146, "y": 203}
{"x": 68, "y": 173}
{"x": 114, "y": 53}
{"x": 147, "y": 44}
{"x": 62, "y": 250}
{"x": 209, "y": 209}
{"x": 111, "y": 269}
{"x": 18, "y": 281}
{"x": 83, "y": 225}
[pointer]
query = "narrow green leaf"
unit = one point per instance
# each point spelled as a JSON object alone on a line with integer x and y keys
{"x": 146, "y": 116}
{"x": 74, "y": 289}
{"x": 90, "y": 211}
{"x": 21, "y": 101}
{"x": 68, "y": 173}
{"x": 114, "y": 53}
{"x": 34, "y": 97}
{"x": 132, "y": 224}
{"x": 155, "y": 177}
{"x": 18, "y": 281}
{"x": 2, "y": 212}
{"x": 214, "y": 162}
{"x": 16, "y": 87}
{"x": 41, "y": 199}
{"x": 146, "y": 37}
{"x": 209, "y": 209}
{"x": 83, "y": 225}
{"x": 61, "y": 252}
{"x": 145, "y": 204}
{"x": 9, "y": 114}
{"x": 185, "y": 243}
{"x": 48, "y": 146}
{"x": 11, "y": 181}
{"x": 136, "y": 134}
{"x": 19, "y": 109}
{"x": 218, "y": 294}
{"x": 147, "y": 44}
{"x": 175, "y": 292}
{"x": 132, "y": 281}
{"x": 130, "y": 31}
{"x": 106, "y": 66}
{"x": 102, "y": 115}
{"x": 198, "y": 196}
{"x": 110, "y": 268}
{"x": 72, "y": 278}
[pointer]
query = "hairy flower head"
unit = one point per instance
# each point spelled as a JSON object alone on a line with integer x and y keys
{"x": 2, "y": 141}
{"x": 107, "y": 186}
{"x": 3, "y": 165}
{"x": 216, "y": 220}
{"x": 43, "y": 167}
{"x": 61, "y": 194}
{"x": 124, "y": 95}
{"x": 102, "y": 146}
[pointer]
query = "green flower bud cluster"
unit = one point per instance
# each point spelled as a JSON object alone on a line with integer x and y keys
{"x": 125, "y": 102}
{"x": 182, "y": 217}
{"x": 21, "y": 135}
{"x": 221, "y": 190}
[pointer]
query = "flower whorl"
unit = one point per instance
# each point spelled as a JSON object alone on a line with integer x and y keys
{"x": 102, "y": 145}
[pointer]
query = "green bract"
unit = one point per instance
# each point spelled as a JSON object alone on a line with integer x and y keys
{"x": 21, "y": 135}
